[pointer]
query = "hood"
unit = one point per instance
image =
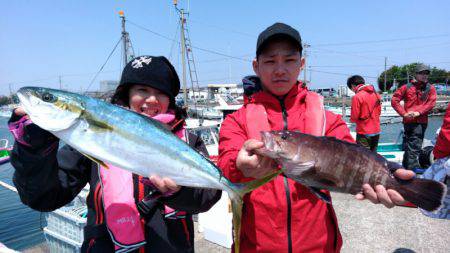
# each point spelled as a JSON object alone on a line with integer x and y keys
{"x": 365, "y": 87}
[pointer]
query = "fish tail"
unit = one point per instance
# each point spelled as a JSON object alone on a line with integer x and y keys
{"x": 424, "y": 193}
{"x": 237, "y": 196}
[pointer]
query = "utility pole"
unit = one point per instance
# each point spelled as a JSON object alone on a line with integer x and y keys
{"x": 305, "y": 55}
{"x": 407, "y": 75}
{"x": 60, "y": 83}
{"x": 385, "y": 74}
{"x": 183, "y": 52}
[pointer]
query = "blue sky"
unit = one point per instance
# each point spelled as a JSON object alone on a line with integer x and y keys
{"x": 42, "y": 40}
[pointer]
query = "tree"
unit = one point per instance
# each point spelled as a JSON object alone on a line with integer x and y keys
{"x": 404, "y": 74}
{"x": 4, "y": 100}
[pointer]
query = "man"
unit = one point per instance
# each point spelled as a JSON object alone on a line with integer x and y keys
{"x": 282, "y": 215}
{"x": 366, "y": 110}
{"x": 419, "y": 98}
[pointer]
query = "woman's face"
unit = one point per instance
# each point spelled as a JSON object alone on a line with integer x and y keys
{"x": 147, "y": 100}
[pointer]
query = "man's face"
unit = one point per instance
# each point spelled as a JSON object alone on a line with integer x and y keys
{"x": 278, "y": 67}
{"x": 422, "y": 76}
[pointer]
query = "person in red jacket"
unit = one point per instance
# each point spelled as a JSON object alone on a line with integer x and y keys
{"x": 442, "y": 147}
{"x": 419, "y": 98}
{"x": 366, "y": 110}
{"x": 282, "y": 215}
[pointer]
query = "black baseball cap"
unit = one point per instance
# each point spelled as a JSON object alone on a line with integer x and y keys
{"x": 278, "y": 30}
{"x": 154, "y": 71}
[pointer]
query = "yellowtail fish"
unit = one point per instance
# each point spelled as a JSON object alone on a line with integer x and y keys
{"x": 111, "y": 134}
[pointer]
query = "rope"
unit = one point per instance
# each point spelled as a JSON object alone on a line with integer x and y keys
{"x": 100, "y": 70}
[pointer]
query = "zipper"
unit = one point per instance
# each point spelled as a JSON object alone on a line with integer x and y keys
{"x": 284, "y": 112}
{"x": 286, "y": 183}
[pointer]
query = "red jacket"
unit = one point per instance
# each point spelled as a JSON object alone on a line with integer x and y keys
{"x": 412, "y": 98}
{"x": 366, "y": 110}
{"x": 281, "y": 214}
{"x": 442, "y": 147}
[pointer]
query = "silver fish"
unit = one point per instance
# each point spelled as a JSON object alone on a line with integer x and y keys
{"x": 335, "y": 165}
{"x": 110, "y": 134}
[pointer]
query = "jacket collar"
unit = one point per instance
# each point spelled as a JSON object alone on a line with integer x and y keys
{"x": 295, "y": 96}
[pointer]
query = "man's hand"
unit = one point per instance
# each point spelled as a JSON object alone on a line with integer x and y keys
{"x": 165, "y": 184}
{"x": 388, "y": 198}
{"x": 251, "y": 164}
{"x": 411, "y": 114}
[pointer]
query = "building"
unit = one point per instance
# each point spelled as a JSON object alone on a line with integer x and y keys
{"x": 108, "y": 85}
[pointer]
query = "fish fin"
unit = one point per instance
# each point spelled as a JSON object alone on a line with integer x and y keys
{"x": 297, "y": 168}
{"x": 393, "y": 166}
{"x": 424, "y": 193}
{"x": 239, "y": 190}
{"x": 103, "y": 164}
{"x": 236, "y": 207}
{"x": 320, "y": 194}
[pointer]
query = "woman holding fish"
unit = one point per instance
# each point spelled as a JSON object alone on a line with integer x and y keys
{"x": 283, "y": 215}
{"x": 126, "y": 212}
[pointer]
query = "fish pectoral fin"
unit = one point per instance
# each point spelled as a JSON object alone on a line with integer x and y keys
{"x": 297, "y": 168}
{"x": 320, "y": 195}
{"x": 103, "y": 164}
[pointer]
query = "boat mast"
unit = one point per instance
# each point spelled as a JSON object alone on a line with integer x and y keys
{"x": 126, "y": 42}
{"x": 186, "y": 53}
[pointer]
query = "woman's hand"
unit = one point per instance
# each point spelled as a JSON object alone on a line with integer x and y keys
{"x": 164, "y": 185}
{"x": 19, "y": 111}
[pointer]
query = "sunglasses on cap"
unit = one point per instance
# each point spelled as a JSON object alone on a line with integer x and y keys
{"x": 426, "y": 72}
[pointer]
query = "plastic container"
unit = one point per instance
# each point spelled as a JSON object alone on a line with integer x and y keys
{"x": 68, "y": 223}
{"x": 60, "y": 244}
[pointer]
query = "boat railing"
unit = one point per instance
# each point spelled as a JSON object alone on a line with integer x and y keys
{"x": 4, "y": 144}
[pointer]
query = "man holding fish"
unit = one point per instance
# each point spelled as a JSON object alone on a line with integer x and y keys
{"x": 282, "y": 215}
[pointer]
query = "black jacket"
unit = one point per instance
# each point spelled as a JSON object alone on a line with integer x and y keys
{"x": 48, "y": 178}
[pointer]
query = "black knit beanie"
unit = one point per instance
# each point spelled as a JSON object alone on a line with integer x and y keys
{"x": 153, "y": 71}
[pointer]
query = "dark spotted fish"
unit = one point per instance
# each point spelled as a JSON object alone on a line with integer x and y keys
{"x": 335, "y": 165}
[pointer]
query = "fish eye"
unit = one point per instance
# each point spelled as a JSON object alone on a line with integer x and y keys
{"x": 47, "y": 97}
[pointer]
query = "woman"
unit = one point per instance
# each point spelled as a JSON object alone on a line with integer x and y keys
{"x": 48, "y": 178}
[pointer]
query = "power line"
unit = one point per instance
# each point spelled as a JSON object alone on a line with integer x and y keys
{"x": 198, "y": 48}
{"x": 101, "y": 68}
{"x": 381, "y": 41}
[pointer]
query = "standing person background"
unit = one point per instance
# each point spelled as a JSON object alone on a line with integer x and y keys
{"x": 282, "y": 215}
{"x": 419, "y": 98}
{"x": 366, "y": 110}
{"x": 124, "y": 213}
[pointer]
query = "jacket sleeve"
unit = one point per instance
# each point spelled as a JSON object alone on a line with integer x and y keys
{"x": 336, "y": 127}
{"x": 396, "y": 98}
{"x": 231, "y": 139}
{"x": 355, "y": 110}
{"x": 194, "y": 200}
{"x": 442, "y": 147}
{"x": 430, "y": 102}
{"x": 46, "y": 178}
